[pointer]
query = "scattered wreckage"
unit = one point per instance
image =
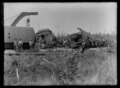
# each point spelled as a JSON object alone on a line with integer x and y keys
{"x": 46, "y": 39}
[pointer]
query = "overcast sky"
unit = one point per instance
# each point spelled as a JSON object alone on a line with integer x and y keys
{"x": 66, "y": 17}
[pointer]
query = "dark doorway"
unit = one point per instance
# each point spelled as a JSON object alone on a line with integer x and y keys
{"x": 42, "y": 36}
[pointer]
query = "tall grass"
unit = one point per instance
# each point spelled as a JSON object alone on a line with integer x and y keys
{"x": 69, "y": 67}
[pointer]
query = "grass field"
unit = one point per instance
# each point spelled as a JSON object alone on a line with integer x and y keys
{"x": 93, "y": 67}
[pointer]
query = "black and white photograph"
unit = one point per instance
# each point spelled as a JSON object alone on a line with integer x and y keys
{"x": 60, "y": 43}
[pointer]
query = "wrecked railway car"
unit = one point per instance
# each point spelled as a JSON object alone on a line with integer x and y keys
{"x": 45, "y": 38}
{"x": 76, "y": 40}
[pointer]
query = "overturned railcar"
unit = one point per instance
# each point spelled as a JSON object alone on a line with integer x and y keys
{"x": 45, "y": 36}
{"x": 75, "y": 40}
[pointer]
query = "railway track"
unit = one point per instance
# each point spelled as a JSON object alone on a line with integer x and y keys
{"x": 12, "y": 52}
